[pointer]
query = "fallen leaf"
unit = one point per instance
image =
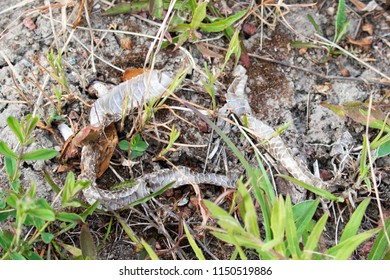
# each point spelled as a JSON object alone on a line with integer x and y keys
{"x": 364, "y": 43}
{"x": 106, "y": 145}
{"x": 369, "y": 28}
{"x": 132, "y": 72}
{"x": 207, "y": 52}
{"x": 359, "y": 5}
{"x": 85, "y": 135}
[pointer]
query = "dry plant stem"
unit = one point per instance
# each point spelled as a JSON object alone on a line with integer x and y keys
{"x": 286, "y": 64}
{"x": 373, "y": 176}
{"x": 98, "y": 57}
{"x": 91, "y": 34}
{"x": 21, "y": 4}
{"x": 329, "y": 43}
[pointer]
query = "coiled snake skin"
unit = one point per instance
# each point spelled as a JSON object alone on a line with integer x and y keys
{"x": 148, "y": 86}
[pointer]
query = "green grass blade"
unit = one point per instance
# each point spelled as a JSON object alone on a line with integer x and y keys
{"x": 315, "y": 190}
{"x": 278, "y": 224}
{"x": 381, "y": 246}
{"x": 341, "y": 21}
{"x": 250, "y": 217}
{"x": 149, "y": 250}
{"x": 194, "y": 246}
{"x": 303, "y": 214}
{"x": 291, "y": 232}
{"x": 312, "y": 241}
{"x": 221, "y": 24}
{"x": 354, "y": 223}
{"x": 344, "y": 249}
{"x": 223, "y": 218}
{"x": 314, "y": 23}
{"x": 199, "y": 15}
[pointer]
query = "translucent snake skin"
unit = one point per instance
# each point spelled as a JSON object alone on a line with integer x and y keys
{"x": 148, "y": 86}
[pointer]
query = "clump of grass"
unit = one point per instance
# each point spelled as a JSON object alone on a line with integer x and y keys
{"x": 23, "y": 209}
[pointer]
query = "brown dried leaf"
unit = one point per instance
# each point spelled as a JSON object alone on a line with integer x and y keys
{"x": 106, "y": 145}
{"x": 207, "y": 52}
{"x": 85, "y": 135}
{"x": 369, "y": 28}
{"x": 359, "y": 5}
{"x": 132, "y": 72}
{"x": 364, "y": 43}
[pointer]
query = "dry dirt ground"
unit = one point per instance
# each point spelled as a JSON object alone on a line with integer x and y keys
{"x": 286, "y": 85}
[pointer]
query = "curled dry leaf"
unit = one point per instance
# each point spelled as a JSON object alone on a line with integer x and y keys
{"x": 364, "y": 43}
{"x": 207, "y": 52}
{"x": 369, "y": 28}
{"x": 106, "y": 144}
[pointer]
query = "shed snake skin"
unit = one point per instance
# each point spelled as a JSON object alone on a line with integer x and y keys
{"x": 148, "y": 86}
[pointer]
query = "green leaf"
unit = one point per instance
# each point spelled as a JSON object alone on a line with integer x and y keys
{"x": 6, "y": 238}
{"x": 278, "y": 224}
{"x": 354, "y": 223}
{"x": 313, "y": 189}
{"x": 303, "y": 214}
{"x": 14, "y": 125}
{"x": 297, "y": 44}
{"x": 44, "y": 214}
{"x": 341, "y": 21}
{"x": 312, "y": 242}
{"x": 381, "y": 246}
{"x": 50, "y": 181}
{"x": 194, "y": 246}
{"x": 384, "y": 150}
{"x": 33, "y": 256}
{"x": 344, "y": 249}
{"x": 124, "y": 145}
{"x": 249, "y": 216}
{"x": 199, "y": 15}
{"x": 137, "y": 144}
{"x": 88, "y": 248}
{"x": 149, "y": 250}
{"x": 157, "y": 8}
{"x": 291, "y": 232}
{"x": 69, "y": 217}
{"x": 47, "y": 237}
{"x": 5, "y": 150}
{"x": 223, "y": 218}
{"x": 221, "y": 24}
{"x": 10, "y": 166}
{"x": 16, "y": 256}
{"x": 314, "y": 23}
{"x": 40, "y": 154}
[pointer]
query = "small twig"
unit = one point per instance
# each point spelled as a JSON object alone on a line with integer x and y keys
{"x": 374, "y": 182}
